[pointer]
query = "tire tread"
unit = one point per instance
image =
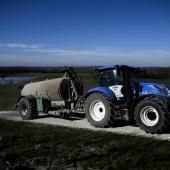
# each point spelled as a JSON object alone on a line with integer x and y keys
{"x": 164, "y": 125}
{"x": 31, "y": 105}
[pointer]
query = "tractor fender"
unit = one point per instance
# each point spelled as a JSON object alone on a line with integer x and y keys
{"x": 146, "y": 97}
{"x": 104, "y": 90}
{"x": 18, "y": 99}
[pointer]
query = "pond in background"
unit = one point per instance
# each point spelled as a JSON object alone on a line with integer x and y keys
{"x": 15, "y": 79}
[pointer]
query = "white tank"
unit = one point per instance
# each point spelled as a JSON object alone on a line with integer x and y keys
{"x": 53, "y": 90}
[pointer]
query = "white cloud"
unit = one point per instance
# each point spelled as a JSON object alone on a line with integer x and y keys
{"x": 37, "y": 54}
{"x": 22, "y": 46}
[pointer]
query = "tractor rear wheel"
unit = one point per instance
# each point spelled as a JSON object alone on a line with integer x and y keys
{"x": 27, "y": 108}
{"x": 99, "y": 110}
{"x": 151, "y": 117}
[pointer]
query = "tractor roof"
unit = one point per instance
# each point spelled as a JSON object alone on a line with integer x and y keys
{"x": 106, "y": 68}
{"x": 122, "y": 67}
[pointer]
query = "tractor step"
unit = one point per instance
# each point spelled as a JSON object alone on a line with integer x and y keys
{"x": 121, "y": 113}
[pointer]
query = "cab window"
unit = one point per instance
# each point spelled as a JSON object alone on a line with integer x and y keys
{"x": 110, "y": 78}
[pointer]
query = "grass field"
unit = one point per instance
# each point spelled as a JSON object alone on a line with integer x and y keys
{"x": 163, "y": 81}
{"x": 33, "y": 146}
{"x": 8, "y": 96}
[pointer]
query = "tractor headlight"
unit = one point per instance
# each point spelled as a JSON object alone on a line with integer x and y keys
{"x": 167, "y": 89}
{"x": 168, "y": 92}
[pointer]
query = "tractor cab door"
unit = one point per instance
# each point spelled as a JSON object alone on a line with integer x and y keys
{"x": 131, "y": 84}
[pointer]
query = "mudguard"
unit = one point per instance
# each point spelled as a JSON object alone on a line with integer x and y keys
{"x": 103, "y": 90}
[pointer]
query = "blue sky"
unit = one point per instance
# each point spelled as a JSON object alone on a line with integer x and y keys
{"x": 84, "y": 32}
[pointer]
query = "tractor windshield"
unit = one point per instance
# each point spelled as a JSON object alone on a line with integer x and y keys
{"x": 110, "y": 78}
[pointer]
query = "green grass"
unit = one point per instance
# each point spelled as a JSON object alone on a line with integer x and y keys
{"x": 31, "y": 146}
{"x": 8, "y": 96}
{"x": 164, "y": 81}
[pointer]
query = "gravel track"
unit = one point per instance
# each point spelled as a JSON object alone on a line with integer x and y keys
{"x": 81, "y": 122}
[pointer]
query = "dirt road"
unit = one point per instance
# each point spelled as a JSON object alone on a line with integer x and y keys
{"x": 78, "y": 121}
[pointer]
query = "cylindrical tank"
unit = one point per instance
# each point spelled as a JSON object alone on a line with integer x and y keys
{"x": 53, "y": 90}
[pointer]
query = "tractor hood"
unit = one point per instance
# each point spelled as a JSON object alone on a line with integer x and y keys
{"x": 154, "y": 88}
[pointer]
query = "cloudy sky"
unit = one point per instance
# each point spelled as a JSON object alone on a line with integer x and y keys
{"x": 84, "y": 32}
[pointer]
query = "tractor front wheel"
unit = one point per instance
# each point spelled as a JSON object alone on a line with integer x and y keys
{"x": 151, "y": 117}
{"x": 27, "y": 108}
{"x": 98, "y": 110}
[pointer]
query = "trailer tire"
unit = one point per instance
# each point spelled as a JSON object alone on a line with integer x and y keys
{"x": 152, "y": 117}
{"x": 99, "y": 110}
{"x": 27, "y": 108}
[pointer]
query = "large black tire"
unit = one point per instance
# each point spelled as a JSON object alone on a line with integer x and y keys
{"x": 27, "y": 108}
{"x": 99, "y": 110}
{"x": 152, "y": 117}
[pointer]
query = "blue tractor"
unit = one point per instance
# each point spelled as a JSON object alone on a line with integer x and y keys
{"x": 121, "y": 96}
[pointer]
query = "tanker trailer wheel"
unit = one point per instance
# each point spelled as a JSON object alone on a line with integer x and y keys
{"x": 27, "y": 108}
{"x": 151, "y": 117}
{"x": 98, "y": 110}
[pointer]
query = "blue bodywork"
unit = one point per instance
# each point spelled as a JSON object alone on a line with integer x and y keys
{"x": 106, "y": 68}
{"x": 103, "y": 90}
{"x": 155, "y": 89}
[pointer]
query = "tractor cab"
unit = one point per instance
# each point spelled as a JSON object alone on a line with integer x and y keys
{"x": 121, "y": 80}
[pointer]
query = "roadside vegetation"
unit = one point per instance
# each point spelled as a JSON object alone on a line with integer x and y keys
{"x": 8, "y": 96}
{"x": 36, "y": 146}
